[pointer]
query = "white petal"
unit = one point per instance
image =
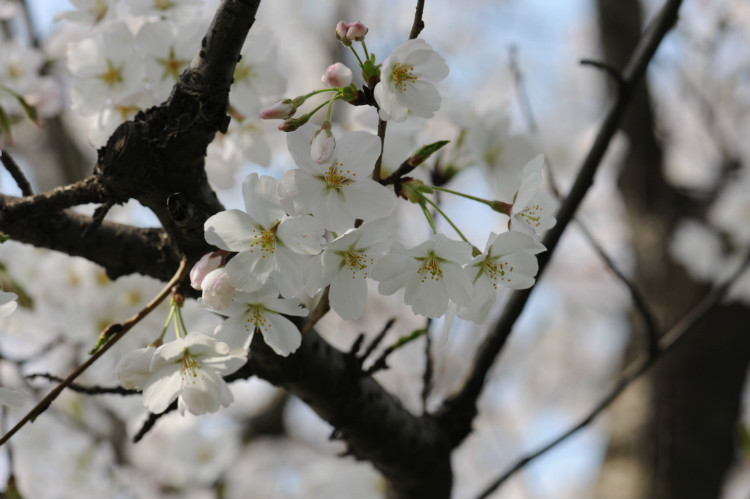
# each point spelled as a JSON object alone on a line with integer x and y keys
{"x": 348, "y": 295}
{"x": 262, "y": 200}
{"x": 358, "y": 152}
{"x": 302, "y": 234}
{"x": 162, "y": 389}
{"x": 282, "y": 336}
{"x": 230, "y": 230}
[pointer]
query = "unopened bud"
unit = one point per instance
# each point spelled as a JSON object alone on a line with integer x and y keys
{"x": 207, "y": 263}
{"x": 356, "y": 31}
{"x": 279, "y": 111}
{"x": 292, "y": 124}
{"x": 322, "y": 147}
{"x": 341, "y": 29}
{"x": 218, "y": 290}
{"x": 337, "y": 76}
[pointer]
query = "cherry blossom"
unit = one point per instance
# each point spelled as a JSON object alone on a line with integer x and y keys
{"x": 190, "y": 369}
{"x": 533, "y": 207}
{"x": 134, "y": 368}
{"x": 106, "y": 68}
{"x": 509, "y": 262}
{"x": 255, "y": 76}
{"x": 498, "y": 152}
{"x": 406, "y": 81}
{"x": 88, "y": 12}
{"x": 345, "y": 264}
{"x": 218, "y": 290}
{"x": 341, "y": 191}
{"x": 430, "y": 273}
{"x": 264, "y": 236}
{"x": 262, "y": 311}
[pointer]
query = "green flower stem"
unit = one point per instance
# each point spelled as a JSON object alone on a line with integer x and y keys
{"x": 166, "y": 324}
{"x": 467, "y": 196}
{"x": 316, "y": 92}
{"x": 364, "y": 46}
{"x": 361, "y": 64}
{"x": 428, "y": 215}
{"x": 182, "y": 321}
{"x": 442, "y": 213}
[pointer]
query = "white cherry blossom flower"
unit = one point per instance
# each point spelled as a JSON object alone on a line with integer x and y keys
{"x": 533, "y": 207}
{"x": 167, "y": 51}
{"x": 431, "y": 274}
{"x": 337, "y": 75}
{"x": 256, "y": 76}
{"x": 175, "y": 10}
{"x": 406, "y": 81}
{"x": 499, "y": 154}
{"x": 340, "y": 191}
{"x": 509, "y": 262}
{"x": 88, "y": 12}
{"x": 265, "y": 238}
{"x": 191, "y": 368}
{"x": 8, "y": 303}
{"x": 262, "y": 311}
{"x": 106, "y": 69}
{"x": 134, "y": 368}
{"x": 345, "y": 264}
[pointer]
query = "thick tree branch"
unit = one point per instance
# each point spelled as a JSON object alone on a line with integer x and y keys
{"x": 120, "y": 249}
{"x": 459, "y": 410}
{"x": 411, "y": 452}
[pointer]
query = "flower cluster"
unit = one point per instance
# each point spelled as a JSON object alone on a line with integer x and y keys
{"x": 331, "y": 224}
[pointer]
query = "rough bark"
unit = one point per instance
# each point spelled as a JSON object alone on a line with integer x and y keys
{"x": 673, "y": 431}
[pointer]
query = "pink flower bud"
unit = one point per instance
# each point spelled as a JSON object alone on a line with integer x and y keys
{"x": 337, "y": 76}
{"x": 279, "y": 111}
{"x": 322, "y": 147}
{"x": 341, "y": 29}
{"x": 356, "y": 31}
{"x": 207, "y": 263}
{"x": 218, "y": 290}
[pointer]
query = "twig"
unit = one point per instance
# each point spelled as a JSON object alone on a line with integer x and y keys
{"x": 418, "y": 25}
{"x": 320, "y": 310}
{"x": 611, "y": 72}
{"x": 377, "y": 340}
{"x": 666, "y": 344}
{"x": 119, "y": 330}
{"x": 89, "y": 390}
{"x": 459, "y": 410}
{"x": 378, "y": 164}
{"x": 97, "y": 218}
{"x": 15, "y": 172}
{"x": 381, "y": 362}
{"x": 151, "y": 421}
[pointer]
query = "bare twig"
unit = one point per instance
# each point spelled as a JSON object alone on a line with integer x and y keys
{"x": 418, "y": 25}
{"x": 89, "y": 390}
{"x": 151, "y": 421}
{"x": 381, "y": 362}
{"x": 666, "y": 344}
{"x": 377, "y": 340}
{"x": 118, "y": 331}
{"x": 603, "y": 66}
{"x": 15, "y": 172}
{"x": 428, "y": 367}
{"x": 458, "y": 411}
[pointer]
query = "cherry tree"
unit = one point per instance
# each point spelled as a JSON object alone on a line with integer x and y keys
{"x": 335, "y": 262}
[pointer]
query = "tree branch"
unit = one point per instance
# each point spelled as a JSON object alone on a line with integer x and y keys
{"x": 459, "y": 410}
{"x": 15, "y": 172}
{"x": 668, "y": 342}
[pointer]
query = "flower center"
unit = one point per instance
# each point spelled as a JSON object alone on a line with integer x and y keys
{"x": 497, "y": 271}
{"x": 401, "y": 75}
{"x": 243, "y": 72}
{"x": 171, "y": 65}
{"x": 532, "y": 215}
{"x": 357, "y": 261}
{"x": 190, "y": 365}
{"x": 113, "y": 75}
{"x": 255, "y": 317}
{"x": 336, "y": 177}
{"x": 163, "y": 4}
{"x": 264, "y": 240}
{"x": 430, "y": 268}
